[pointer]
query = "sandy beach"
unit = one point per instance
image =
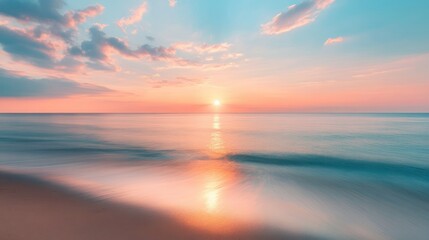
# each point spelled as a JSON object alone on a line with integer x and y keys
{"x": 35, "y": 209}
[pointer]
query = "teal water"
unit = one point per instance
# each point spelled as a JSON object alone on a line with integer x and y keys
{"x": 332, "y": 176}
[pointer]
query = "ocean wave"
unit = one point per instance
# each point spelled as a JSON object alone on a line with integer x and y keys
{"x": 335, "y": 163}
{"x": 71, "y": 148}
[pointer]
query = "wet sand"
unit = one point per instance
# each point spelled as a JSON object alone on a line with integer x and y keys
{"x": 35, "y": 209}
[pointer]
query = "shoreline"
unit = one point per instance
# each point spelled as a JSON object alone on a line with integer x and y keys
{"x": 32, "y": 208}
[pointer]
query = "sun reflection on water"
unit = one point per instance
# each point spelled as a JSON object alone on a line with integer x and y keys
{"x": 216, "y": 122}
{"x": 215, "y": 179}
{"x": 211, "y": 196}
{"x": 217, "y": 145}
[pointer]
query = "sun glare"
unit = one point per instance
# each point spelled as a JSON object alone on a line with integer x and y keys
{"x": 216, "y": 102}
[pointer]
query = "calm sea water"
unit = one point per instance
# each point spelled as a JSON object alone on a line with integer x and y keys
{"x": 332, "y": 176}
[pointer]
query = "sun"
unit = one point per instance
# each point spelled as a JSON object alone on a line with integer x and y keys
{"x": 216, "y": 103}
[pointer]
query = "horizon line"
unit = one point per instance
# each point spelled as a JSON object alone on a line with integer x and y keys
{"x": 214, "y": 113}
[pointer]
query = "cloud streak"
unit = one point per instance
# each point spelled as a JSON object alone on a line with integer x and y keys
{"x": 22, "y": 46}
{"x": 75, "y": 18}
{"x": 135, "y": 17}
{"x": 13, "y": 85}
{"x": 46, "y": 11}
{"x": 331, "y": 41}
{"x": 100, "y": 48}
{"x": 177, "y": 82}
{"x": 48, "y": 14}
{"x": 201, "y": 48}
{"x": 295, "y": 16}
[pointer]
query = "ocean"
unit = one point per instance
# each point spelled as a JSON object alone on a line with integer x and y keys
{"x": 330, "y": 176}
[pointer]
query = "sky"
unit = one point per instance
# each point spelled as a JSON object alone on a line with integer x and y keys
{"x": 183, "y": 55}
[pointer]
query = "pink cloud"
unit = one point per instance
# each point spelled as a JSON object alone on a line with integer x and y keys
{"x": 75, "y": 18}
{"x": 177, "y": 82}
{"x": 232, "y": 55}
{"x": 295, "y": 16}
{"x": 48, "y": 17}
{"x": 101, "y": 26}
{"x": 201, "y": 48}
{"x": 100, "y": 48}
{"x": 47, "y": 12}
{"x": 180, "y": 63}
{"x": 136, "y": 16}
{"x": 21, "y": 45}
{"x": 331, "y": 41}
{"x": 172, "y": 3}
